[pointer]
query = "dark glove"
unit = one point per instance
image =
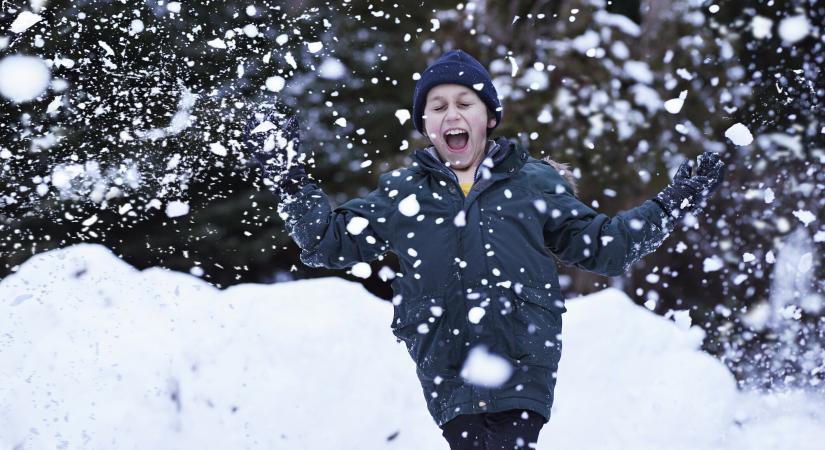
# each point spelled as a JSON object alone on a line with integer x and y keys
{"x": 687, "y": 193}
{"x": 274, "y": 140}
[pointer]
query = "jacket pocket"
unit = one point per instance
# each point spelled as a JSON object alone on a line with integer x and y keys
{"x": 549, "y": 300}
{"x": 537, "y": 325}
{"x": 416, "y": 323}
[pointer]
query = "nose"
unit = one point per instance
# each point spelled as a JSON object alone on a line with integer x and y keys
{"x": 452, "y": 112}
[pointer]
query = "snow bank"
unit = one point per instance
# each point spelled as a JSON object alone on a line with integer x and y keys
{"x": 637, "y": 377}
{"x": 95, "y": 354}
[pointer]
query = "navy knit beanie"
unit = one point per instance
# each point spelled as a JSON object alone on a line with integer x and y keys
{"x": 456, "y": 67}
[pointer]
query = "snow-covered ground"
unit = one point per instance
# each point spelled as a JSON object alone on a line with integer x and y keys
{"x": 95, "y": 354}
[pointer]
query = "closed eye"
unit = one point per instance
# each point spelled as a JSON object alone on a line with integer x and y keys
{"x": 463, "y": 105}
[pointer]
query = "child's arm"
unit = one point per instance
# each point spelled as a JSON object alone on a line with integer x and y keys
{"x": 597, "y": 243}
{"x": 334, "y": 238}
{"x": 580, "y": 236}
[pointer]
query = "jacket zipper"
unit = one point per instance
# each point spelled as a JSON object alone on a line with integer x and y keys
{"x": 492, "y": 150}
{"x": 460, "y": 254}
{"x": 452, "y": 176}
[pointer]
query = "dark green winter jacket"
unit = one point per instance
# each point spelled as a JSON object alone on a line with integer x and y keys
{"x": 493, "y": 249}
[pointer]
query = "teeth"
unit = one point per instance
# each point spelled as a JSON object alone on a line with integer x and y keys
{"x": 451, "y": 132}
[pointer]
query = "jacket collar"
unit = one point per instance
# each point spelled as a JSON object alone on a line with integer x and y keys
{"x": 503, "y": 157}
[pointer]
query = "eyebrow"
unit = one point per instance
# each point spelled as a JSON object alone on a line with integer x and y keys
{"x": 439, "y": 97}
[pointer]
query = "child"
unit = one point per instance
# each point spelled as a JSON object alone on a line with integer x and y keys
{"x": 475, "y": 223}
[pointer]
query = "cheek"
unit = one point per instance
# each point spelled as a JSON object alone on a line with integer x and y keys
{"x": 480, "y": 119}
{"x": 431, "y": 127}
{"x": 480, "y": 125}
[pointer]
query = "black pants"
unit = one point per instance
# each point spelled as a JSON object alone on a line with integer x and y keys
{"x": 505, "y": 430}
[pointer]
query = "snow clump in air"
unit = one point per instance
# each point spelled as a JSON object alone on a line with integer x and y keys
{"x": 314, "y": 47}
{"x": 332, "y": 69}
{"x": 674, "y": 105}
{"x": 475, "y": 314}
{"x": 739, "y": 135}
{"x": 23, "y": 78}
{"x": 217, "y": 43}
{"x": 217, "y": 148}
{"x": 793, "y": 29}
{"x": 361, "y": 270}
{"x": 177, "y": 208}
{"x": 356, "y": 225}
{"x": 712, "y": 264}
{"x": 460, "y": 220}
{"x": 403, "y": 115}
{"x": 23, "y": 21}
{"x": 486, "y": 369}
{"x": 761, "y": 27}
{"x": 275, "y": 83}
{"x": 804, "y": 216}
{"x": 769, "y": 195}
{"x": 409, "y": 206}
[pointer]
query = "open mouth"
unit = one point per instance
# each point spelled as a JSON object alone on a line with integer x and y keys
{"x": 456, "y": 139}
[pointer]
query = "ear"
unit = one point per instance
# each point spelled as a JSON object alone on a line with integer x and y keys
{"x": 491, "y": 122}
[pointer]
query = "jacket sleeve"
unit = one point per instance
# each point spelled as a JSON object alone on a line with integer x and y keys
{"x": 592, "y": 241}
{"x": 356, "y": 231}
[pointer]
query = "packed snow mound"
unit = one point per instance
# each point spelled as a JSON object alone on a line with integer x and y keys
{"x": 95, "y": 354}
{"x": 627, "y": 367}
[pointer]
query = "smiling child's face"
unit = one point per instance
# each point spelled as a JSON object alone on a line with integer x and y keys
{"x": 456, "y": 121}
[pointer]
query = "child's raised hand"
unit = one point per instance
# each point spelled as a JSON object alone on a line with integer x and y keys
{"x": 272, "y": 134}
{"x": 710, "y": 165}
{"x": 687, "y": 192}
{"x": 272, "y": 137}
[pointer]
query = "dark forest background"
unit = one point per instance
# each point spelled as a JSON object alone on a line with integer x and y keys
{"x": 582, "y": 82}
